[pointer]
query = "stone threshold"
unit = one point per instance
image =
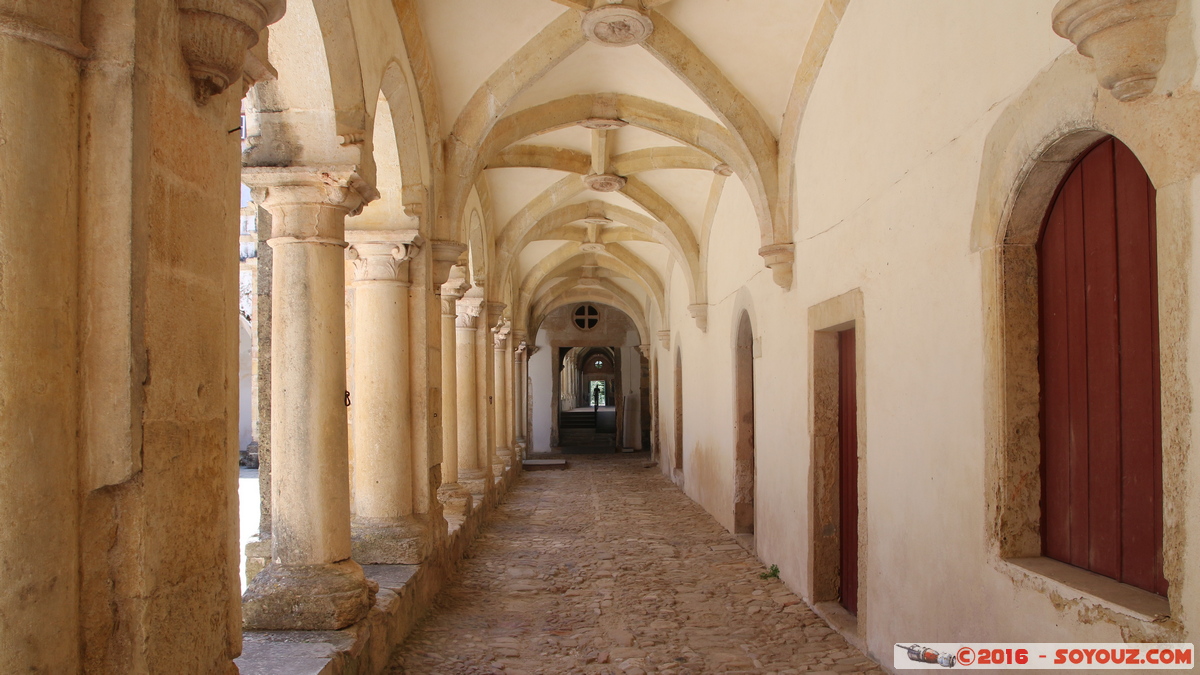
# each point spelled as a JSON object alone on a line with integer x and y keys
{"x": 406, "y": 592}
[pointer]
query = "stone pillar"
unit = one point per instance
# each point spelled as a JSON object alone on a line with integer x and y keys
{"x": 503, "y": 447}
{"x": 385, "y": 529}
{"x": 510, "y": 397}
{"x": 471, "y": 465}
{"x": 484, "y": 345}
{"x": 311, "y": 582}
{"x": 39, "y": 381}
{"x": 521, "y": 392}
{"x": 455, "y": 498}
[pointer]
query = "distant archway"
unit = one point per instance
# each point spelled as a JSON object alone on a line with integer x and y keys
{"x": 743, "y": 491}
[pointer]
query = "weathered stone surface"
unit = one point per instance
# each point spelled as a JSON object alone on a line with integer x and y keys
{"x": 307, "y": 597}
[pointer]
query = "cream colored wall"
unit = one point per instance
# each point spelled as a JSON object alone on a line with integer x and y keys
{"x": 541, "y": 370}
{"x": 887, "y": 179}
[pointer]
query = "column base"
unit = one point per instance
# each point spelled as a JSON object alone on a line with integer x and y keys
{"x": 455, "y": 499}
{"x": 476, "y": 482}
{"x": 308, "y": 597}
{"x": 402, "y": 542}
{"x": 258, "y": 556}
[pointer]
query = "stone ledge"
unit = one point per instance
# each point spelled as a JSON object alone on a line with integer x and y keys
{"x": 405, "y": 593}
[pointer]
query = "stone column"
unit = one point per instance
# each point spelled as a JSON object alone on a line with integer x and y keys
{"x": 454, "y": 497}
{"x": 503, "y": 447}
{"x": 484, "y": 345}
{"x": 385, "y": 529}
{"x": 521, "y": 392}
{"x": 510, "y": 397}
{"x": 39, "y": 370}
{"x": 311, "y": 582}
{"x": 471, "y": 465}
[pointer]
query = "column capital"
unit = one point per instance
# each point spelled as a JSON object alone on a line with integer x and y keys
{"x": 645, "y": 350}
{"x": 215, "y": 37}
{"x": 500, "y": 332}
{"x": 664, "y": 339}
{"x": 495, "y": 309}
{"x": 381, "y": 255}
{"x": 469, "y": 309}
{"x": 309, "y": 203}
{"x": 445, "y": 257}
{"x": 454, "y": 288}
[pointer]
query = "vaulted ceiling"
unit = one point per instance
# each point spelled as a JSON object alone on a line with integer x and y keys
{"x": 584, "y": 151}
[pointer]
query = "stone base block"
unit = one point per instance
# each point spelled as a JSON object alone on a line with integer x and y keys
{"x": 258, "y": 556}
{"x": 404, "y": 542}
{"x": 307, "y": 597}
{"x": 455, "y": 499}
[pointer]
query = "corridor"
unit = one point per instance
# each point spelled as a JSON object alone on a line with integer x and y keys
{"x": 608, "y": 567}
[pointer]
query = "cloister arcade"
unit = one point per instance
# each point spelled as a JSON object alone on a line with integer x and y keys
{"x": 791, "y": 248}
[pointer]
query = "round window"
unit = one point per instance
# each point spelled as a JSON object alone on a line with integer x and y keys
{"x": 586, "y": 317}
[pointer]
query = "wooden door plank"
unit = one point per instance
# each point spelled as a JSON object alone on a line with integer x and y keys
{"x": 848, "y": 465}
{"x": 1139, "y": 414}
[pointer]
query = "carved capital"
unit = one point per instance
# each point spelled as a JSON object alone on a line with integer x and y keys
{"x": 445, "y": 256}
{"x": 215, "y": 36}
{"x": 645, "y": 350}
{"x": 495, "y": 309}
{"x": 500, "y": 333}
{"x": 469, "y": 308}
{"x": 1127, "y": 39}
{"x": 453, "y": 289}
{"x": 699, "y": 312}
{"x": 382, "y": 255}
{"x": 309, "y": 203}
{"x": 664, "y": 339}
{"x": 779, "y": 257}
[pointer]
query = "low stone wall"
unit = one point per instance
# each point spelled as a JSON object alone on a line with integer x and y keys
{"x": 405, "y": 593}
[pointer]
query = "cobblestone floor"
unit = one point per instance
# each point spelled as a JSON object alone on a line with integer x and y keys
{"x": 608, "y": 568}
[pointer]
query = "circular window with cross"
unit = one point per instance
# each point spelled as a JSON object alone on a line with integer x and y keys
{"x": 586, "y": 317}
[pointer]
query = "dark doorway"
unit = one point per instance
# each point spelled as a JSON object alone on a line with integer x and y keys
{"x": 743, "y": 492}
{"x": 848, "y": 468}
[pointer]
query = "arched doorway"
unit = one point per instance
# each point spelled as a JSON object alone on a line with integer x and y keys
{"x": 743, "y": 493}
{"x": 1102, "y": 497}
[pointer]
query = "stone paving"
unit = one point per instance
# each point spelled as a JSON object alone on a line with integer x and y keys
{"x": 609, "y": 568}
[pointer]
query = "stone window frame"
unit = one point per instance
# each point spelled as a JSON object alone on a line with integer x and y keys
{"x": 825, "y": 320}
{"x": 1013, "y": 382}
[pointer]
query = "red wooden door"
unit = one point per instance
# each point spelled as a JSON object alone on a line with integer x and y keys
{"x": 848, "y": 468}
{"x": 1101, "y": 430}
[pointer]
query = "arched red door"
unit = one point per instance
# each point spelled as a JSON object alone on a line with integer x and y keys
{"x": 1101, "y": 429}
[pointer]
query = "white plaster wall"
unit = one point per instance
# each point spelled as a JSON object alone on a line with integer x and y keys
{"x": 245, "y": 380}
{"x": 631, "y": 379}
{"x": 887, "y": 175}
{"x": 541, "y": 370}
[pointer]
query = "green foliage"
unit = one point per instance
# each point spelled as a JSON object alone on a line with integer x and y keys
{"x": 772, "y": 573}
